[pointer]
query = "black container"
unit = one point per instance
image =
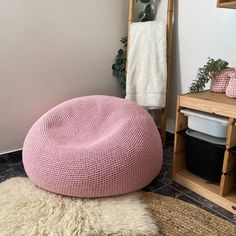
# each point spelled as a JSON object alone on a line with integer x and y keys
{"x": 205, "y": 159}
{"x": 233, "y": 150}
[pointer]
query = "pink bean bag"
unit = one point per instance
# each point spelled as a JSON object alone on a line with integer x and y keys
{"x": 93, "y": 146}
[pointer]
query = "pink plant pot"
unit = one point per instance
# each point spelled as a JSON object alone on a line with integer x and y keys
{"x": 220, "y": 81}
{"x": 231, "y": 89}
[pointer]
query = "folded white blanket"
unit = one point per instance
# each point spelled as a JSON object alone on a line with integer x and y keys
{"x": 147, "y": 67}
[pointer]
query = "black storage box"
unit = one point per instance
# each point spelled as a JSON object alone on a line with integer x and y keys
{"x": 233, "y": 150}
{"x": 204, "y": 158}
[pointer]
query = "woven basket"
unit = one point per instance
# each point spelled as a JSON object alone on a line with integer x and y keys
{"x": 220, "y": 81}
{"x": 231, "y": 89}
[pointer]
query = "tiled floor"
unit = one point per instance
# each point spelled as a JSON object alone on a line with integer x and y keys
{"x": 12, "y": 166}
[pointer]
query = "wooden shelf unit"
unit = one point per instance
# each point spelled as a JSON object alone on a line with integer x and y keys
{"x": 224, "y": 193}
{"x": 226, "y": 4}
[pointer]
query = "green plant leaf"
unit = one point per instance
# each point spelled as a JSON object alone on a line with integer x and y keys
{"x": 148, "y": 10}
{"x": 115, "y": 73}
{"x": 115, "y": 67}
{"x": 119, "y": 67}
{"x": 141, "y": 15}
{"x": 145, "y": 1}
{"x": 204, "y": 73}
{"x": 120, "y": 52}
{"x": 124, "y": 40}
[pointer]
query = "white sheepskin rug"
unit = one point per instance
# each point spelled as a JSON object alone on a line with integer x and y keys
{"x": 26, "y": 210}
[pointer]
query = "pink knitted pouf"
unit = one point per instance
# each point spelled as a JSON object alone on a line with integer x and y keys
{"x": 93, "y": 146}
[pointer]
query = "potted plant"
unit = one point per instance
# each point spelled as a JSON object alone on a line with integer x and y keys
{"x": 119, "y": 67}
{"x": 217, "y": 71}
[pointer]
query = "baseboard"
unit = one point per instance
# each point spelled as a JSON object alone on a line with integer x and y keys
{"x": 16, "y": 154}
{"x": 7, "y": 152}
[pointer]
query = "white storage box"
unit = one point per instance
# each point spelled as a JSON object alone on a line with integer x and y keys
{"x": 207, "y": 123}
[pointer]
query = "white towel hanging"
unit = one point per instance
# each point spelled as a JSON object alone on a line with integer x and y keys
{"x": 147, "y": 67}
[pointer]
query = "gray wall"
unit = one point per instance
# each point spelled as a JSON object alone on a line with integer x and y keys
{"x": 51, "y": 51}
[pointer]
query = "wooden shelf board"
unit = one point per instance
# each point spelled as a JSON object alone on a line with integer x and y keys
{"x": 211, "y": 96}
{"x": 230, "y": 4}
{"x": 205, "y": 189}
{"x": 192, "y": 178}
{"x": 232, "y": 196}
{"x": 209, "y": 102}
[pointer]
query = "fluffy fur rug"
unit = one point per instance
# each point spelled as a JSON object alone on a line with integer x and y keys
{"x": 28, "y": 210}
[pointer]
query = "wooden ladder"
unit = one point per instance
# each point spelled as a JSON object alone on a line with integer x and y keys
{"x": 170, "y": 21}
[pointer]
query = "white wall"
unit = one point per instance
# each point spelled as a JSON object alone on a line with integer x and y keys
{"x": 51, "y": 51}
{"x": 201, "y": 31}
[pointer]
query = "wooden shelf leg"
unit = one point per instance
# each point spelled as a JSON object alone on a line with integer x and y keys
{"x": 227, "y": 183}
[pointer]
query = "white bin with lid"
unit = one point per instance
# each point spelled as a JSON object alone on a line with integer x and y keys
{"x": 210, "y": 124}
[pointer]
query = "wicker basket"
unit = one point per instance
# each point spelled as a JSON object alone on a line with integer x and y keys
{"x": 231, "y": 89}
{"x": 220, "y": 81}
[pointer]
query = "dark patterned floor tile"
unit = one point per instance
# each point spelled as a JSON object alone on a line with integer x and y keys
{"x": 166, "y": 190}
{"x": 7, "y": 174}
{"x": 7, "y": 165}
{"x": 154, "y": 185}
{"x": 169, "y": 140}
{"x": 166, "y": 171}
{"x": 168, "y": 151}
{"x": 11, "y": 168}
{"x": 165, "y": 174}
{"x": 11, "y": 158}
{"x": 19, "y": 171}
